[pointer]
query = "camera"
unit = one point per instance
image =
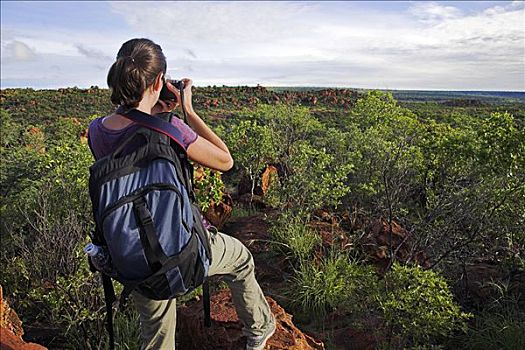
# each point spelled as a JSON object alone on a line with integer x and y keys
{"x": 167, "y": 95}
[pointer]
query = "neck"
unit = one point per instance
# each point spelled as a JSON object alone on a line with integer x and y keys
{"x": 147, "y": 103}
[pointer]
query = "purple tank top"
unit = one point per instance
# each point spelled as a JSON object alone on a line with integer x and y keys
{"x": 103, "y": 141}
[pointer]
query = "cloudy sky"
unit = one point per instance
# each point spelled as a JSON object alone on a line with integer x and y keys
{"x": 463, "y": 45}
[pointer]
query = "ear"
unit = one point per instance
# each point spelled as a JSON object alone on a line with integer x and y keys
{"x": 159, "y": 82}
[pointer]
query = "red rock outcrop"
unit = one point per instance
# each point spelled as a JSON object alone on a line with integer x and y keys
{"x": 383, "y": 237}
{"x": 9, "y": 341}
{"x": 267, "y": 178}
{"x": 218, "y": 213}
{"x": 226, "y": 334}
{"x": 8, "y": 318}
{"x": 11, "y": 330}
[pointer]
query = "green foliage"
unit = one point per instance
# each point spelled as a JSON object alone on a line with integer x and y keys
{"x": 334, "y": 283}
{"x": 450, "y": 171}
{"x": 293, "y": 236}
{"x": 60, "y": 168}
{"x": 389, "y": 163}
{"x": 418, "y": 306}
{"x": 502, "y": 145}
{"x": 10, "y": 131}
{"x": 127, "y": 330}
{"x": 377, "y": 108}
{"x": 253, "y": 147}
{"x": 239, "y": 211}
{"x": 498, "y": 325}
{"x": 474, "y": 189}
{"x": 496, "y": 330}
{"x": 209, "y": 187}
{"x": 313, "y": 173}
{"x": 314, "y": 178}
{"x": 46, "y": 106}
{"x": 72, "y": 304}
{"x": 45, "y": 207}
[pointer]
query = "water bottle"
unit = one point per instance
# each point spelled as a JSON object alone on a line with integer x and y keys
{"x": 100, "y": 259}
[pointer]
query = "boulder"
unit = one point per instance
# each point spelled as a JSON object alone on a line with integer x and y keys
{"x": 482, "y": 281}
{"x": 218, "y": 213}
{"x": 226, "y": 330}
{"x": 8, "y": 318}
{"x": 10, "y": 341}
{"x": 383, "y": 238}
{"x": 11, "y": 330}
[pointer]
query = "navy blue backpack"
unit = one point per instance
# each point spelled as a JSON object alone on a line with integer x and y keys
{"x": 146, "y": 216}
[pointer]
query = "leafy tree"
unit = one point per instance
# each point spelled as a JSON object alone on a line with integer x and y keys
{"x": 253, "y": 147}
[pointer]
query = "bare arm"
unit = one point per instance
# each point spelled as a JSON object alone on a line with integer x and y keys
{"x": 208, "y": 150}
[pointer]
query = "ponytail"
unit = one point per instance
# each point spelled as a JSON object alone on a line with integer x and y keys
{"x": 139, "y": 62}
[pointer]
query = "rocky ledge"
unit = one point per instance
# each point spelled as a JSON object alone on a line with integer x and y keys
{"x": 225, "y": 333}
{"x": 11, "y": 330}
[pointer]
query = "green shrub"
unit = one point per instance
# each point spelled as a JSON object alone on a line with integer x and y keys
{"x": 10, "y": 130}
{"x": 127, "y": 330}
{"x": 314, "y": 178}
{"x": 292, "y": 235}
{"x": 418, "y": 306}
{"x": 335, "y": 283}
{"x": 45, "y": 208}
{"x": 388, "y": 161}
{"x": 239, "y": 211}
{"x": 315, "y": 160}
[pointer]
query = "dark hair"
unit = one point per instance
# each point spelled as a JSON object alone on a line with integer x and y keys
{"x": 139, "y": 62}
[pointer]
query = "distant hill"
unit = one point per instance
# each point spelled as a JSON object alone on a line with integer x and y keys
{"x": 427, "y": 95}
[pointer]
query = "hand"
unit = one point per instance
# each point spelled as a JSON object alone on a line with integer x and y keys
{"x": 188, "y": 104}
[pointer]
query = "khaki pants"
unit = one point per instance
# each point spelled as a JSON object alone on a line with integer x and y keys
{"x": 234, "y": 261}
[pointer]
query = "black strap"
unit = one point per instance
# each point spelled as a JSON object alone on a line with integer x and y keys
{"x": 109, "y": 296}
{"x": 148, "y": 235}
{"x": 206, "y": 303}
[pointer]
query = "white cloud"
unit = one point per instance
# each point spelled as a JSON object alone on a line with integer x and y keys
{"x": 430, "y": 45}
{"x": 433, "y": 12}
{"x": 214, "y": 22}
{"x": 17, "y": 51}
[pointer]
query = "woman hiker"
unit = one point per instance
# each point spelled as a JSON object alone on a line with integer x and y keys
{"x": 135, "y": 80}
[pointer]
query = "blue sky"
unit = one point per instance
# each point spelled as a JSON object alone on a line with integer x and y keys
{"x": 452, "y": 45}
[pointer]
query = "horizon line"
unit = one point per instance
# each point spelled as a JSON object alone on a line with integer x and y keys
{"x": 274, "y": 86}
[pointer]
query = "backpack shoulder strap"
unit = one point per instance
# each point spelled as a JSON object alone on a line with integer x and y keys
{"x": 154, "y": 123}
